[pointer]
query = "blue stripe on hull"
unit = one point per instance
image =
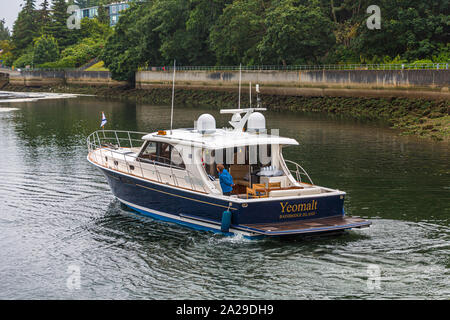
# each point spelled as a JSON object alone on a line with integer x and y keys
{"x": 147, "y": 213}
{"x": 160, "y": 198}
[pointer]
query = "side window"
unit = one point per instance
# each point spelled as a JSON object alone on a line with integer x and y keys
{"x": 163, "y": 150}
{"x": 177, "y": 159}
{"x": 209, "y": 163}
{"x": 149, "y": 152}
{"x": 163, "y": 154}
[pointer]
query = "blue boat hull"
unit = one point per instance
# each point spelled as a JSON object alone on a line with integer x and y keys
{"x": 204, "y": 212}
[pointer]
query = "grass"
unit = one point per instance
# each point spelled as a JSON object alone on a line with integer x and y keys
{"x": 99, "y": 66}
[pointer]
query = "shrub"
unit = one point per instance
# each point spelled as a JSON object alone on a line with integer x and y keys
{"x": 77, "y": 55}
{"x": 45, "y": 50}
{"x": 24, "y": 60}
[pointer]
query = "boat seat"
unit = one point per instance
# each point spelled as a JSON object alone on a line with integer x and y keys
{"x": 258, "y": 190}
{"x": 294, "y": 192}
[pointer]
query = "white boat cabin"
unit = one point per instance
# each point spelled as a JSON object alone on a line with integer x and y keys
{"x": 187, "y": 158}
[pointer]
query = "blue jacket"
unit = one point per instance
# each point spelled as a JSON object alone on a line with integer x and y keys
{"x": 226, "y": 180}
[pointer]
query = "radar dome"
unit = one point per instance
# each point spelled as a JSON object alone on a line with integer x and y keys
{"x": 256, "y": 122}
{"x": 206, "y": 123}
{"x": 236, "y": 117}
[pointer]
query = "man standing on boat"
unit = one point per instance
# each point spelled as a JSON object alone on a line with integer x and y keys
{"x": 226, "y": 180}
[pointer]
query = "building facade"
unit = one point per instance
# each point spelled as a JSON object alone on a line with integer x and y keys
{"x": 114, "y": 11}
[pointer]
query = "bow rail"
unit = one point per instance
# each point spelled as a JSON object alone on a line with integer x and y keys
{"x": 119, "y": 150}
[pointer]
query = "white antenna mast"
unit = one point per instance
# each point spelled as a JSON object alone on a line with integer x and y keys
{"x": 173, "y": 95}
{"x": 240, "y": 77}
{"x": 250, "y": 94}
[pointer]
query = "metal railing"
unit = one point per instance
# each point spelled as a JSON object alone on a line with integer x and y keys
{"x": 393, "y": 66}
{"x": 299, "y": 171}
{"x": 375, "y": 66}
{"x": 103, "y": 143}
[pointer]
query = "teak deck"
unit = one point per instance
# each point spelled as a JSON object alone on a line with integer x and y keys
{"x": 310, "y": 226}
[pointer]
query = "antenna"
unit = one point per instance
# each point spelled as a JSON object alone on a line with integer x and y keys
{"x": 250, "y": 94}
{"x": 258, "y": 99}
{"x": 173, "y": 95}
{"x": 240, "y": 77}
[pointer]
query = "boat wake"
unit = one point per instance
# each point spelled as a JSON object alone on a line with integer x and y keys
{"x": 8, "y": 109}
{"x": 10, "y": 97}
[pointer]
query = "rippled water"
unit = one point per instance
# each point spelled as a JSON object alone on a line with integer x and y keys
{"x": 58, "y": 214}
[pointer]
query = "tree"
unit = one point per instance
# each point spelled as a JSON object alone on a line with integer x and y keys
{"x": 44, "y": 16}
{"x": 102, "y": 14}
{"x": 295, "y": 34}
{"x": 238, "y": 31}
{"x": 133, "y": 43}
{"x": 92, "y": 28}
{"x": 202, "y": 17}
{"x": 170, "y": 17}
{"x": 4, "y": 31}
{"x": 6, "y": 55}
{"x": 415, "y": 30}
{"x": 86, "y": 3}
{"x": 24, "y": 30}
{"x": 58, "y": 27}
{"x": 45, "y": 50}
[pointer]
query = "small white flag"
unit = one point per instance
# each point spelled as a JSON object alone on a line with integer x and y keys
{"x": 103, "y": 120}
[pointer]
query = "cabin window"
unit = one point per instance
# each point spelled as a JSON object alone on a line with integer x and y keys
{"x": 162, "y": 154}
{"x": 256, "y": 155}
{"x": 248, "y": 159}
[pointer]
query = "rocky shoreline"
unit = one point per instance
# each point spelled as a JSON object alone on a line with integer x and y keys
{"x": 421, "y": 117}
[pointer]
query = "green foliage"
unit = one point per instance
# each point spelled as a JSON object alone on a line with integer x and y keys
{"x": 58, "y": 26}
{"x": 92, "y": 3}
{"x": 412, "y": 30}
{"x": 238, "y": 31}
{"x": 443, "y": 53}
{"x": 230, "y": 32}
{"x": 94, "y": 29}
{"x": 44, "y": 16}
{"x": 423, "y": 61}
{"x": 45, "y": 50}
{"x": 6, "y": 52}
{"x": 4, "y": 31}
{"x": 77, "y": 55}
{"x": 103, "y": 14}
{"x": 24, "y": 60}
{"x": 133, "y": 43}
{"x": 295, "y": 34}
{"x": 24, "y": 30}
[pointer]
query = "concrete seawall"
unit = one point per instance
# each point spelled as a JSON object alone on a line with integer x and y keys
{"x": 427, "y": 84}
{"x": 369, "y": 83}
{"x": 4, "y": 79}
{"x": 56, "y": 78}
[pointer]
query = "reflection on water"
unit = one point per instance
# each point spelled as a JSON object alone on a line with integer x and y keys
{"x": 58, "y": 211}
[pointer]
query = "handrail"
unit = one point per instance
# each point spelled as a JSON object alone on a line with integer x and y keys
{"x": 377, "y": 66}
{"x": 115, "y": 143}
{"x": 299, "y": 173}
